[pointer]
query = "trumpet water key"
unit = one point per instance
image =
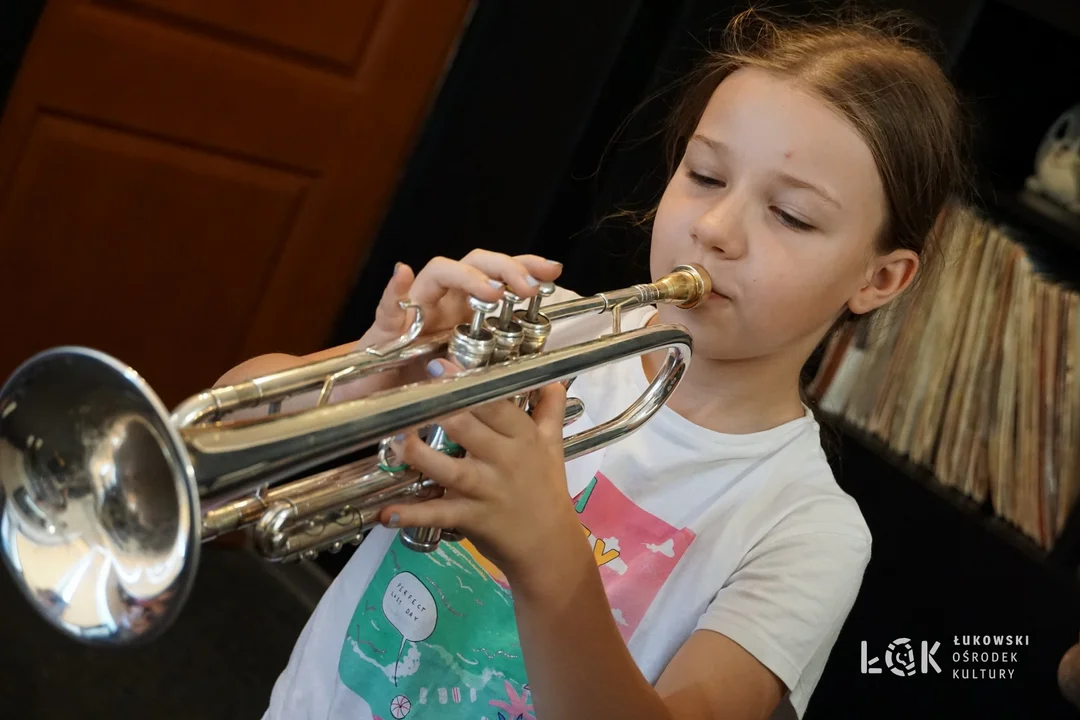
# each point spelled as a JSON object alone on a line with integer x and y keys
{"x": 106, "y": 497}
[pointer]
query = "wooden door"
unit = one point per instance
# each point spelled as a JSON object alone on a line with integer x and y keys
{"x": 187, "y": 183}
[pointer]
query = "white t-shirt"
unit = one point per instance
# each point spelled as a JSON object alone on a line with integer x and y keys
{"x": 745, "y": 535}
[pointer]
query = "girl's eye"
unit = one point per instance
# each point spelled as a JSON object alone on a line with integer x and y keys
{"x": 704, "y": 180}
{"x": 791, "y": 221}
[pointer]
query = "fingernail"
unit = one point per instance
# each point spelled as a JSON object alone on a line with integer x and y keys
{"x": 397, "y": 268}
{"x": 495, "y": 283}
{"x": 435, "y": 368}
{"x": 533, "y": 282}
{"x": 399, "y": 438}
{"x": 394, "y": 520}
{"x": 554, "y": 262}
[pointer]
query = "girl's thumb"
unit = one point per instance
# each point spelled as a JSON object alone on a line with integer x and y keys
{"x": 550, "y": 411}
{"x": 442, "y": 367}
{"x": 389, "y": 317}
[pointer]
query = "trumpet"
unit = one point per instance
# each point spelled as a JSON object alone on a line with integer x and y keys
{"x": 106, "y": 498}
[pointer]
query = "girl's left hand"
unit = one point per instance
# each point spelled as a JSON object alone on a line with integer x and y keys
{"x": 508, "y": 495}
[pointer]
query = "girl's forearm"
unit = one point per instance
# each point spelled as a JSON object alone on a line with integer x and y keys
{"x": 577, "y": 662}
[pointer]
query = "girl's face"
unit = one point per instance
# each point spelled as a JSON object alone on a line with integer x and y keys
{"x": 779, "y": 198}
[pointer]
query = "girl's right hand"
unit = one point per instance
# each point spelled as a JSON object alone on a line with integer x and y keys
{"x": 442, "y": 289}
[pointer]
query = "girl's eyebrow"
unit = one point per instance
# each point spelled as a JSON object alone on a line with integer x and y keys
{"x": 715, "y": 145}
{"x": 792, "y": 181}
{"x": 722, "y": 149}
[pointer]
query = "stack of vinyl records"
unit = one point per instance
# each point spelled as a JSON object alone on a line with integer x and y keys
{"x": 974, "y": 379}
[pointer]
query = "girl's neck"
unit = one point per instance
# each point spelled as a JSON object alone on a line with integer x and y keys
{"x": 734, "y": 396}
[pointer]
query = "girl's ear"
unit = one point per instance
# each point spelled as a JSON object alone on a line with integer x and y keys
{"x": 888, "y": 276}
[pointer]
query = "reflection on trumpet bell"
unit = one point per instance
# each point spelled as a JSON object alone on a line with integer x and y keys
{"x": 107, "y": 497}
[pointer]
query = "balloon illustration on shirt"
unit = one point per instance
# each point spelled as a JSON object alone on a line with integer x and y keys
{"x": 400, "y": 706}
{"x": 410, "y": 608}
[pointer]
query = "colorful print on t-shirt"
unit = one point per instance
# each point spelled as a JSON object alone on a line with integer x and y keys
{"x": 434, "y": 635}
{"x": 636, "y": 551}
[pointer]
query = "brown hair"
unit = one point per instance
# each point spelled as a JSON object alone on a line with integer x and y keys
{"x": 886, "y": 84}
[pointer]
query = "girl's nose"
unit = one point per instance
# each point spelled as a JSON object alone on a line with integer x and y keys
{"x": 721, "y": 227}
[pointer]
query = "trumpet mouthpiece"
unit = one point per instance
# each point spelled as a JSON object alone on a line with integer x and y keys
{"x": 685, "y": 286}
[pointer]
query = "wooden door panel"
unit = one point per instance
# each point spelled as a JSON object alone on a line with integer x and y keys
{"x": 188, "y": 183}
{"x": 120, "y": 185}
{"x": 331, "y": 33}
{"x": 151, "y": 77}
{"x": 318, "y": 268}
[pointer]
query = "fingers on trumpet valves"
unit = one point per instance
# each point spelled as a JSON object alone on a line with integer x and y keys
{"x": 442, "y": 275}
{"x": 483, "y": 274}
{"x": 520, "y": 273}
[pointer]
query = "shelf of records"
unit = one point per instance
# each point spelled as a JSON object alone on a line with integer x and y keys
{"x": 975, "y": 380}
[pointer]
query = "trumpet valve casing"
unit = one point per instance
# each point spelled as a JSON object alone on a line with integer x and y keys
{"x": 508, "y": 334}
{"x": 468, "y": 349}
{"x": 534, "y": 332}
{"x": 508, "y": 339}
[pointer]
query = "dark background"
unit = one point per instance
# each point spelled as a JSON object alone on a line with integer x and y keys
{"x": 520, "y": 154}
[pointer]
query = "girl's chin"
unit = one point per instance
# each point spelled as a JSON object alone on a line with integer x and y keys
{"x": 707, "y": 323}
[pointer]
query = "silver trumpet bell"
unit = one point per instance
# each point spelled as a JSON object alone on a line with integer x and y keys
{"x": 106, "y": 497}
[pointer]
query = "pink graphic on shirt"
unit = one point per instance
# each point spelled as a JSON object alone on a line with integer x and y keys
{"x": 518, "y": 707}
{"x": 635, "y": 551}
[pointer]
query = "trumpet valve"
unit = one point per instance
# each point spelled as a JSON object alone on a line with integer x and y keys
{"x": 471, "y": 345}
{"x": 507, "y": 333}
{"x": 419, "y": 539}
{"x": 547, "y": 289}
{"x": 534, "y": 326}
{"x": 509, "y": 301}
{"x": 480, "y": 309}
{"x": 451, "y": 535}
{"x": 507, "y": 340}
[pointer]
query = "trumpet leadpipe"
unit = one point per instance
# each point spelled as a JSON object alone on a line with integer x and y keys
{"x": 684, "y": 287}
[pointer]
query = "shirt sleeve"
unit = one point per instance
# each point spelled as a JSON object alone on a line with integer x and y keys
{"x": 789, "y": 597}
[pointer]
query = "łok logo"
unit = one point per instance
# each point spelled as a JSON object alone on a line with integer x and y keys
{"x": 900, "y": 658}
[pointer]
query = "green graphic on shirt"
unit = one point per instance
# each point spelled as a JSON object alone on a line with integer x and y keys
{"x": 434, "y": 636}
